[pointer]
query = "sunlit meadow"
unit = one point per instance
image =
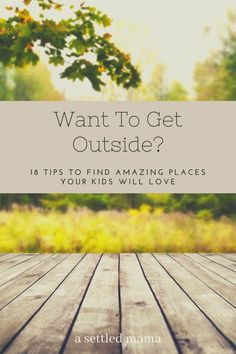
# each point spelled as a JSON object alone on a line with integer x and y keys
{"x": 24, "y": 230}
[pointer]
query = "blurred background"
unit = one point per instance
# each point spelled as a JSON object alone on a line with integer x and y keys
{"x": 185, "y": 50}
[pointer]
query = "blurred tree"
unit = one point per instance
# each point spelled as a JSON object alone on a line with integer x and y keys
{"x": 177, "y": 92}
{"x": 154, "y": 90}
{"x": 215, "y": 77}
{"x": 215, "y": 205}
{"x": 73, "y": 43}
{"x": 157, "y": 88}
{"x": 5, "y": 88}
{"x": 211, "y": 78}
{"x": 32, "y": 83}
{"x": 7, "y": 200}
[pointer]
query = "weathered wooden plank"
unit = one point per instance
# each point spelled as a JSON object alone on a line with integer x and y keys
{"x": 141, "y": 315}
{"x": 220, "y": 312}
{"x": 226, "y": 273}
{"x": 56, "y": 316}
{"x": 16, "y": 315}
{"x": 99, "y": 314}
{"x": 6, "y": 256}
{"x": 221, "y": 286}
{"x": 55, "y": 307}
{"x": 230, "y": 256}
{"x": 221, "y": 260}
{"x": 12, "y": 262}
{"x": 193, "y": 331}
{"x": 12, "y": 273}
{"x": 16, "y": 286}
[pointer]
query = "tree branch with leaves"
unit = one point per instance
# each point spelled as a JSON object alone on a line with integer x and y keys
{"x": 73, "y": 43}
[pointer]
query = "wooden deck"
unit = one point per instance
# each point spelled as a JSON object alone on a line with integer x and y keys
{"x": 176, "y": 303}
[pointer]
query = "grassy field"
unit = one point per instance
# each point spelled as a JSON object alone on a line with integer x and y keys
{"x": 130, "y": 231}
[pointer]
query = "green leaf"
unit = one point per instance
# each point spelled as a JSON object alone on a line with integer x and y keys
{"x": 71, "y": 41}
{"x": 56, "y": 61}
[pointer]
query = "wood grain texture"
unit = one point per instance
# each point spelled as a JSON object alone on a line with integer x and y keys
{"x": 12, "y": 262}
{"x": 141, "y": 315}
{"x": 4, "y": 257}
{"x": 174, "y": 302}
{"x": 99, "y": 314}
{"x": 49, "y": 301}
{"x": 230, "y": 256}
{"x": 221, "y": 260}
{"x": 28, "y": 303}
{"x": 220, "y": 312}
{"x": 16, "y": 286}
{"x": 218, "y": 284}
{"x": 216, "y": 268}
{"x": 12, "y": 273}
{"x": 57, "y": 314}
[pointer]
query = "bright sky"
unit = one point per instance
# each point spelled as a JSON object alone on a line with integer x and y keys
{"x": 168, "y": 31}
{"x": 154, "y": 31}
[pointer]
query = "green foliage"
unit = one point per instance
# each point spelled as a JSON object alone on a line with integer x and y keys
{"x": 215, "y": 205}
{"x": 211, "y": 79}
{"x": 177, "y": 92}
{"x": 215, "y": 77}
{"x": 8, "y": 200}
{"x": 72, "y": 201}
{"x": 204, "y": 214}
{"x": 95, "y": 202}
{"x": 73, "y": 43}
